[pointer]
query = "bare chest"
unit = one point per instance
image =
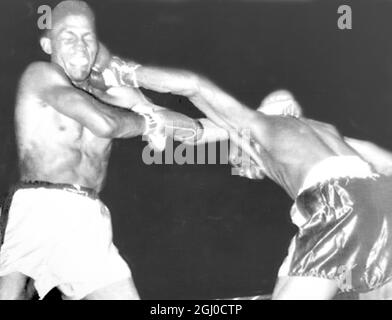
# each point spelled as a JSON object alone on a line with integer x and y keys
{"x": 43, "y": 126}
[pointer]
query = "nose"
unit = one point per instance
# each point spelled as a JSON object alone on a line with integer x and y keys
{"x": 80, "y": 44}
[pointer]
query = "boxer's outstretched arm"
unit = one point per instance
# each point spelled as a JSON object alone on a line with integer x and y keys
{"x": 120, "y": 72}
{"x": 204, "y": 94}
{"x": 129, "y": 75}
{"x": 54, "y": 89}
{"x": 219, "y": 107}
{"x": 210, "y": 99}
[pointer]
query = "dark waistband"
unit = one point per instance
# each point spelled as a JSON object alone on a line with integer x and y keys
{"x": 73, "y": 188}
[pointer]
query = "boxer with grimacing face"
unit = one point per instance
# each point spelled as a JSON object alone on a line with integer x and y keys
{"x": 58, "y": 231}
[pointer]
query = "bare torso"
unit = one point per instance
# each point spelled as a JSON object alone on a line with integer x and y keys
{"x": 55, "y": 148}
{"x": 292, "y": 146}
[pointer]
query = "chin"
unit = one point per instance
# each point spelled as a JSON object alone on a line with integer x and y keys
{"x": 77, "y": 79}
{"x": 79, "y": 76}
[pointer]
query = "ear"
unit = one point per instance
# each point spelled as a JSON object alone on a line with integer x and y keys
{"x": 46, "y": 45}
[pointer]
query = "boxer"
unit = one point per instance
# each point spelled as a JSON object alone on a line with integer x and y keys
{"x": 54, "y": 228}
{"x": 341, "y": 190}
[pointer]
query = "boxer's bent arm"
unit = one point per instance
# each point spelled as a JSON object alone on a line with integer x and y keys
{"x": 378, "y": 157}
{"x": 54, "y": 89}
{"x": 181, "y": 127}
{"x": 102, "y": 120}
{"x": 123, "y": 97}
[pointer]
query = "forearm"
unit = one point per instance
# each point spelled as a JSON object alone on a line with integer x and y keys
{"x": 124, "y": 97}
{"x": 216, "y": 104}
{"x": 105, "y": 120}
{"x": 210, "y": 132}
{"x": 126, "y": 124}
{"x": 206, "y": 96}
{"x": 219, "y": 107}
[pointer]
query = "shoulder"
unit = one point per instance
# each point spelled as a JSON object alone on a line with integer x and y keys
{"x": 42, "y": 73}
{"x": 39, "y": 68}
{"x": 38, "y": 79}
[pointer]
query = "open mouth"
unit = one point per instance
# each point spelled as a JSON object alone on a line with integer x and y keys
{"x": 79, "y": 61}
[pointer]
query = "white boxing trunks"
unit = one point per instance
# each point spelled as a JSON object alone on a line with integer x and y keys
{"x": 61, "y": 239}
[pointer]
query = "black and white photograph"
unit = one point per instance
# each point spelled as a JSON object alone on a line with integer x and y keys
{"x": 218, "y": 151}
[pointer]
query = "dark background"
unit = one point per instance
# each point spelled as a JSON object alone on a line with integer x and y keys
{"x": 195, "y": 231}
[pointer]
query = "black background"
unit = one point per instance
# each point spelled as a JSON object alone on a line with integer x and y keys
{"x": 195, "y": 231}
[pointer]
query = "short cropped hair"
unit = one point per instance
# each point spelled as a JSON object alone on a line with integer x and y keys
{"x": 70, "y": 8}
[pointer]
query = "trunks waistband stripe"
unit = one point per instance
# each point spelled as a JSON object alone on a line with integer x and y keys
{"x": 73, "y": 188}
{"x": 335, "y": 168}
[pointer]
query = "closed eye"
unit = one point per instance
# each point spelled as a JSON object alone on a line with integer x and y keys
{"x": 68, "y": 36}
{"x": 89, "y": 37}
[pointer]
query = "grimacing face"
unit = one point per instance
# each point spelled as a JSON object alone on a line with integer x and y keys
{"x": 74, "y": 46}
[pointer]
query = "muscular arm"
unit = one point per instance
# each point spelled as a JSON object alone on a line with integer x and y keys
{"x": 219, "y": 107}
{"x": 227, "y": 117}
{"x": 55, "y": 90}
{"x": 210, "y": 99}
{"x": 116, "y": 86}
{"x": 378, "y": 157}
